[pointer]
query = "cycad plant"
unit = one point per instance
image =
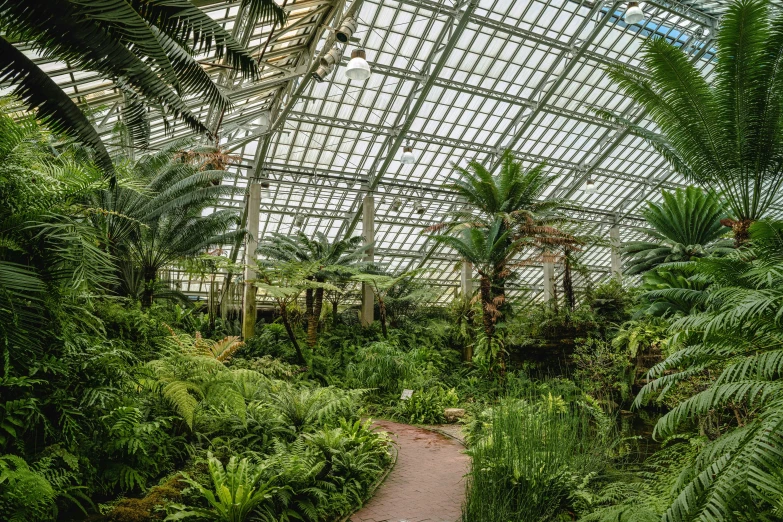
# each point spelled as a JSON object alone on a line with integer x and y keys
{"x": 686, "y": 224}
{"x": 736, "y": 332}
{"x": 147, "y": 47}
{"x": 491, "y": 250}
{"x": 725, "y": 133}
{"x": 157, "y": 218}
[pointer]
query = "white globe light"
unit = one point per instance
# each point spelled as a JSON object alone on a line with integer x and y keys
{"x": 633, "y": 14}
{"x": 590, "y": 187}
{"x": 358, "y": 69}
{"x": 407, "y": 157}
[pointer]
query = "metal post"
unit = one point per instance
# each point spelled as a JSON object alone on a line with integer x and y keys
{"x": 614, "y": 241}
{"x": 249, "y": 302}
{"x": 368, "y": 232}
{"x": 466, "y": 278}
{"x": 549, "y": 280}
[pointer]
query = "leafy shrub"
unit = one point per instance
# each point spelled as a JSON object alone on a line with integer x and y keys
{"x": 426, "y": 406}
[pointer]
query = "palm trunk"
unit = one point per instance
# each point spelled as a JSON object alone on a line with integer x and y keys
{"x": 382, "y": 313}
{"x": 568, "y": 285}
{"x": 312, "y": 320}
{"x": 212, "y": 303}
{"x": 148, "y": 293}
{"x": 486, "y": 306}
{"x": 290, "y": 331}
{"x": 334, "y": 313}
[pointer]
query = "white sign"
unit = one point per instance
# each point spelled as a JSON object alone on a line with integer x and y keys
{"x": 406, "y": 394}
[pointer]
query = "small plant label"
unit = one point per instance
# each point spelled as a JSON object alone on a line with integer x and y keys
{"x": 406, "y": 394}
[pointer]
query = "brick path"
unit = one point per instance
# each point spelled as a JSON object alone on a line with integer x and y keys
{"x": 426, "y": 484}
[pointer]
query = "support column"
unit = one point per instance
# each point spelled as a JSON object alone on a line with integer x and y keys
{"x": 614, "y": 242}
{"x": 368, "y": 232}
{"x": 466, "y": 279}
{"x": 549, "y": 281}
{"x": 251, "y": 244}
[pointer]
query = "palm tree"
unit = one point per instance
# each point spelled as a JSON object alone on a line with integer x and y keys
{"x": 725, "y": 135}
{"x": 148, "y": 47}
{"x": 329, "y": 256}
{"x": 735, "y": 330}
{"x": 491, "y": 250}
{"x": 513, "y": 199}
{"x": 381, "y": 285}
{"x": 160, "y": 222}
{"x": 686, "y": 224}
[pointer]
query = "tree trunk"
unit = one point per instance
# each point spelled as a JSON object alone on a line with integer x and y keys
{"x": 290, "y": 331}
{"x": 212, "y": 303}
{"x": 467, "y": 353}
{"x": 148, "y": 292}
{"x": 382, "y": 313}
{"x": 314, "y": 319}
{"x": 486, "y": 306}
{"x": 568, "y": 285}
{"x": 334, "y": 313}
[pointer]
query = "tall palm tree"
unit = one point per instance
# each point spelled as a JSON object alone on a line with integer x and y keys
{"x": 491, "y": 250}
{"x": 146, "y": 46}
{"x": 512, "y": 199}
{"x": 686, "y": 224}
{"x": 726, "y": 135}
{"x": 329, "y": 256}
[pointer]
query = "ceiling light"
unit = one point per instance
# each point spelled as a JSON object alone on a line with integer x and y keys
{"x": 407, "y": 157}
{"x": 264, "y": 189}
{"x": 421, "y": 209}
{"x": 590, "y": 187}
{"x": 358, "y": 69}
{"x": 396, "y": 204}
{"x": 332, "y": 57}
{"x": 633, "y": 13}
{"x": 346, "y": 30}
{"x": 299, "y": 220}
{"x": 322, "y": 72}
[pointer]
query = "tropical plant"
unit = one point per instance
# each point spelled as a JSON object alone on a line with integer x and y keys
{"x": 725, "y": 133}
{"x": 686, "y": 224}
{"x": 149, "y": 46}
{"x": 492, "y": 255}
{"x": 331, "y": 258}
{"x": 158, "y": 219}
{"x": 285, "y": 281}
{"x": 513, "y": 197}
{"x": 237, "y": 492}
{"x": 381, "y": 285}
{"x": 736, "y": 332}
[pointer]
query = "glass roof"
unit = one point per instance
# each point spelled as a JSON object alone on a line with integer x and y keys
{"x": 457, "y": 80}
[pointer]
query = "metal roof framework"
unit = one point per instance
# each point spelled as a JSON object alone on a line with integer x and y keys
{"x": 458, "y": 80}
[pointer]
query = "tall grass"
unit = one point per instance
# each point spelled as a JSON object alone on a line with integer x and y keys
{"x": 527, "y": 459}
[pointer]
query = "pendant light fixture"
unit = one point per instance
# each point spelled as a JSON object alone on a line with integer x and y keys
{"x": 407, "y": 157}
{"x": 358, "y": 69}
{"x": 420, "y": 208}
{"x": 298, "y": 220}
{"x": 633, "y": 13}
{"x": 332, "y": 58}
{"x": 264, "y": 189}
{"x": 396, "y": 204}
{"x": 590, "y": 187}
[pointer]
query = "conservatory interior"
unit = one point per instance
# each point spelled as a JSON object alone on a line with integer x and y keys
{"x": 391, "y": 260}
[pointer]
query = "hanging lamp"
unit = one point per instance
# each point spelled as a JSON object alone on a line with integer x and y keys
{"x": 358, "y": 69}
{"x": 633, "y": 13}
{"x": 407, "y": 157}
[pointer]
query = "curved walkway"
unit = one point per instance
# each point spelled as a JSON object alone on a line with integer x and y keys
{"x": 426, "y": 485}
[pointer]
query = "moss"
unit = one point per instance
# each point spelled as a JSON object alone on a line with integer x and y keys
{"x": 149, "y": 507}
